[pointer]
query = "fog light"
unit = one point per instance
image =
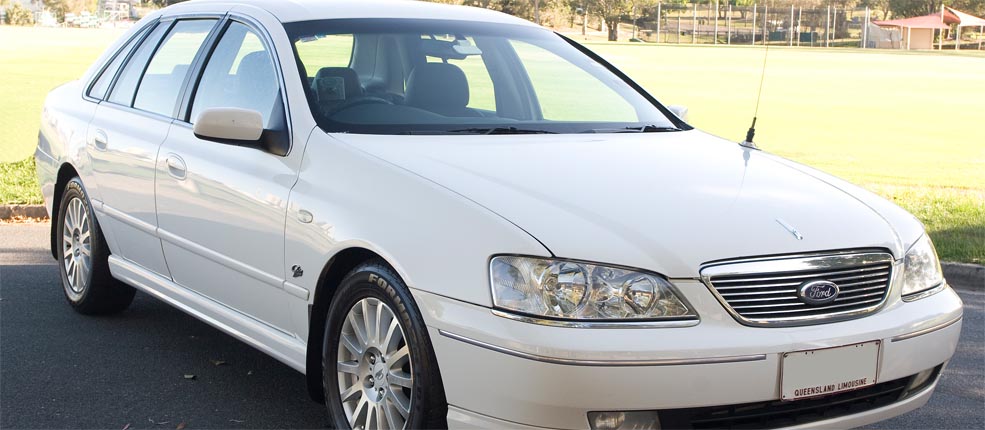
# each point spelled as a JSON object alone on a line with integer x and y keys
{"x": 921, "y": 380}
{"x": 636, "y": 420}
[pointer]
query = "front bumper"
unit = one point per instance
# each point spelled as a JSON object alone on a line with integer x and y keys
{"x": 499, "y": 371}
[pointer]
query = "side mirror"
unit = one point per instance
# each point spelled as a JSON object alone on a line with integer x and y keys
{"x": 680, "y": 111}
{"x": 229, "y": 125}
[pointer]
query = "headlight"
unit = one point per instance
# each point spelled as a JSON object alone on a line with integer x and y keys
{"x": 921, "y": 268}
{"x": 572, "y": 290}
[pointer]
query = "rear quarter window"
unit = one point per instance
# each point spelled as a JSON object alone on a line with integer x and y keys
{"x": 102, "y": 83}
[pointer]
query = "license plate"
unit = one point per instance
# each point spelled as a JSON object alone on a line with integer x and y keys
{"x": 821, "y": 372}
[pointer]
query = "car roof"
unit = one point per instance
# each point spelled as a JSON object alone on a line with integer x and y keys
{"x": 304, "y": 10}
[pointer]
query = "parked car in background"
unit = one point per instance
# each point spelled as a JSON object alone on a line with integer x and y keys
{"x": 447, "y": 216}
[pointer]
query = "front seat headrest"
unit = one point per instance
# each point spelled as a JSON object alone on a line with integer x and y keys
{"x": 257, "y": 83}
{"x": 438, "y": 87}
{"x": 336, "y": 84}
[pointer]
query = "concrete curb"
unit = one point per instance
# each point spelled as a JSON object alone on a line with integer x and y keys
{"x": 8, "y": 212}
{"x": 963, "y": 275}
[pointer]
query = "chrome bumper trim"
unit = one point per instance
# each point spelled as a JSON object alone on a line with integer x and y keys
{"x": 676, "y": 323}
{"x": 925, "y": 293}
{"x": 612, "y": 363}
{"x": 926, "y": 330}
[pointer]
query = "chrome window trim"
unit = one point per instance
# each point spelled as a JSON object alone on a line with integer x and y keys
{"x": 799, "y": 262}
{"x": 139, "y": 36}
{"x": 604, "y": 363}
{"x": 925, "y": 293}
{"x": 676, "y": 323}
{"x": 135, "y": 111}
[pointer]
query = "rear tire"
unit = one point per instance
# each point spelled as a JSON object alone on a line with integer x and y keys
{"x": 83, "y": 257}
{"x": 378, "y": 368}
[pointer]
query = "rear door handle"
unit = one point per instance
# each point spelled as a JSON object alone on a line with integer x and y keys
{"x": 99, "y": 140}
{"x": 176, "y": 166}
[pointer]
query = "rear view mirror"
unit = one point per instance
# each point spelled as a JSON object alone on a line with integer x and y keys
{"x": 229, "y": 125}
{"x": 679, "y": 111}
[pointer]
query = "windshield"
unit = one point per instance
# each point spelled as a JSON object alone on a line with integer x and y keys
{"x": 412, "y": 76}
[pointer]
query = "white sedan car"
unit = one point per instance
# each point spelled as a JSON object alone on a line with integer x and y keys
{"x": 447, "y": 216}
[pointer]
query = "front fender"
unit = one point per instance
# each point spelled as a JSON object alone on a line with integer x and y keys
{"x": 436, "y": 240}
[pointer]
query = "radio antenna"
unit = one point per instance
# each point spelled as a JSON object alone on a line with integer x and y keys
{"x": 751, "y": 134}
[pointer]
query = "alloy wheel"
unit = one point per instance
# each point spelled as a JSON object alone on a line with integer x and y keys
{"x": 77, "y": 247}
{"x": 374, "y": 369}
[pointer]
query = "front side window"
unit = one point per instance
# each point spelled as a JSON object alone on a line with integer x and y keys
{"x": 240, "y": 74}
{"x": 165, "y": 74}
{"x": 406, "y": 76}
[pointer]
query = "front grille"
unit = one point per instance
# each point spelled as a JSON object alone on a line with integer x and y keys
{"x": 777, "y": 414}
{"x": 765, "y": 292}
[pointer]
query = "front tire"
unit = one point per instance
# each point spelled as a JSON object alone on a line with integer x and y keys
{"x": 379, "y": 370}
{"x": 83, "y": 257}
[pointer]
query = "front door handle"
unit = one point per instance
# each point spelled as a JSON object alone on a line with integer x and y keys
{"x": 99, "y": 140}
{"x": 176, "y": 166}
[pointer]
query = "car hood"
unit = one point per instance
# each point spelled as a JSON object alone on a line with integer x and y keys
{"x": 666, "y": 202}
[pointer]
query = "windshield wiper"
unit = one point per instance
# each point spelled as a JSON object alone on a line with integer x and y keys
{"x": 501, "y": 130}
{"x": 479, "y": 130}
{"x": 642, "y": 129}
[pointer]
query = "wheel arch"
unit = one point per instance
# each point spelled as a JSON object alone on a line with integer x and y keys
{"x": 65, "y": 172}
{"x": 329, "y": 279}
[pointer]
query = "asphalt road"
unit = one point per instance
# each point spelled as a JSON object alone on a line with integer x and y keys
{"x": 59, "y": 369}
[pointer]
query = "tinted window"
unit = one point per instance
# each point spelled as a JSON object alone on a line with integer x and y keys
{"x": 161, "y": 83}
{"x": 126, "y": 85}
{"x": 481, "y": 94}
{"x": 239, "y": 74}
{"x": 565, "y": 91}
{"x": 334, "y": 50}
{"x": 98, "y": 89}
{"x": 457, "y": 77}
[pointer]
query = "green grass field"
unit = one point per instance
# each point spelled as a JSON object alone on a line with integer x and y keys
{"x": 904, "y": 124}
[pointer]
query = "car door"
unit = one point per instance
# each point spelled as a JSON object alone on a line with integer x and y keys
{"x": 129, "y": 127}
{"x": 222, "y": 207}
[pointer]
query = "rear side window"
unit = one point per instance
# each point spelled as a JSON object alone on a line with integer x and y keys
{"x": 161, "y": 83}
{"x": 239, "y": 74}
{"x": 98, "y": 89}
{"x": 126, "y": 84}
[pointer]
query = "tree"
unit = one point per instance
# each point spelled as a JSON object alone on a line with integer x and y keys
{"x": 878, "y": 5}
{"x": 724, "y": 4}
{"x": 164, "y": 3}
{"x": 611, "y": 12}
{"x": 908, "y": 8}
{"x": 57, "y": 7}
{"x": 19, "y": 15}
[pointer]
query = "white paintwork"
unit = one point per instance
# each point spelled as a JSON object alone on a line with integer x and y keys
{"x": 123, "y": 167}
{"x": 222, "y": 223}
{"x": 229, "y": 124}
{"x": 730, "y": 195}
{"x": 559, "y": 396}
{"x": 300, "y": 10}
{"x": 214, "y": 229}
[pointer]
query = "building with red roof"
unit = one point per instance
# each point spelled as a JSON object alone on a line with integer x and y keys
{"x": 918, "y": 32}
